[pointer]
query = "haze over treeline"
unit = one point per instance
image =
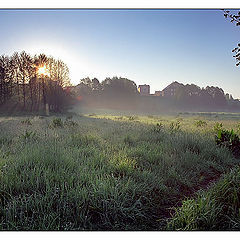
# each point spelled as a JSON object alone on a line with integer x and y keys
{"x": 122, "y": 93}
{"x": 28, "y": 83}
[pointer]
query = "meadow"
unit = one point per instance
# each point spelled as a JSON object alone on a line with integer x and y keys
{"x": 112, "y": 170}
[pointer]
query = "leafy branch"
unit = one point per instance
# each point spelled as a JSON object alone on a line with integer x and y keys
{"x": 234, "y": 18}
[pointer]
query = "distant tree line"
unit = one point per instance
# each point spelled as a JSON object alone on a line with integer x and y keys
{"x": 191, "y": 95}
{"x": 118, "y": 92}
{"x": 209, "y": 98}
{"x": 23, "y": 87}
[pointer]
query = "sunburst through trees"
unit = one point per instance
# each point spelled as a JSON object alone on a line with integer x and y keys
{"x": 31, "y": 82}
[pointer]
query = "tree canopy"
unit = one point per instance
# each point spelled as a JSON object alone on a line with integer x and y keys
{"x": 23, "y": 84}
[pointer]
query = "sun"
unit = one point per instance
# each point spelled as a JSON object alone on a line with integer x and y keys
{"x": 43, "y": 71}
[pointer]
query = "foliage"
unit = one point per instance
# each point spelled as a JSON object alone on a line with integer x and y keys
{"x": 57, "y": 122}
{"x": 119, "y": 87}
{"x": 26, "y": 121}
{"x": 22, "y": 84}
{"x": 228, "y": 139}
{"x": 238, "y": 127}
{"x": 175, "y": 126}
{"x": 218, "y": 127}
{"x": 28, "y": 135}
{"x": 235, "y": 18}
{"x": 201, "y": 123}
{"x": 158, "y": 128}
{"x": 192, "y": 96}
{"x": 121, "y": 93}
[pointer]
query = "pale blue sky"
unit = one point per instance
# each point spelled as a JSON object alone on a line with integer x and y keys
{"x": 155, "y": 47}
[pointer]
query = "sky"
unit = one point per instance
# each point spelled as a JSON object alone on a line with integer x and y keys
{"x": 154, "y": 47}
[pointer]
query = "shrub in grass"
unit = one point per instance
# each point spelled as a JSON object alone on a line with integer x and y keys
{"x": 28, "y": 135}
{"x": 26, "y": 121}
{"x": 175, "y": 126}
{"x": 70, "y": 123}
{"x": 57, "y": 122}
{"x": 238, "y": 127}
{"x": 218, "y": 126}
{"x": 201, "y": 123}
{"x": 228, "y": 139}
{"x": 158, "y": 128}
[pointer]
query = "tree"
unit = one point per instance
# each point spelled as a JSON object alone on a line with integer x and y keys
{"x": 234, "y": 18}
{"x": 4, "y": 78}
{"x": 217, "y": 95}
{"x": 89, "y": 88}
{"x": 96, "y": 85}
{"x": 20, "y": 77}
{"x": 119, "y": 87}
{"x": 15, "y": 72}
{"x": 118, "y": 92}
{"x": 41, "y": 61}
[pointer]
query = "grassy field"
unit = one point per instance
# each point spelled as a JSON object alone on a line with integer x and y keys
{"x": 214, "y": 209}
{"x": 112, "y": 171}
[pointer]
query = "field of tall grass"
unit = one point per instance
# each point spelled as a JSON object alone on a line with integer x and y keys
{"x": 95, "y": 171}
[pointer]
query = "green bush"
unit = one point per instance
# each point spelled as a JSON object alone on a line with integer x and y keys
{"x": 28, "y": 135}
{"x": 218, "y": 126}
{"x": 158, "y": 128}
{"x": 175, "y": 126}
{"x": 228, "y": 139}
{"x": 201, "y": 123}
{"x": 238, "y": 127}
{"x": 57, "y": 122}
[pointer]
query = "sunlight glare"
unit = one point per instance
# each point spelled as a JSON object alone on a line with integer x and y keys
{"x": 43, "y": 71}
